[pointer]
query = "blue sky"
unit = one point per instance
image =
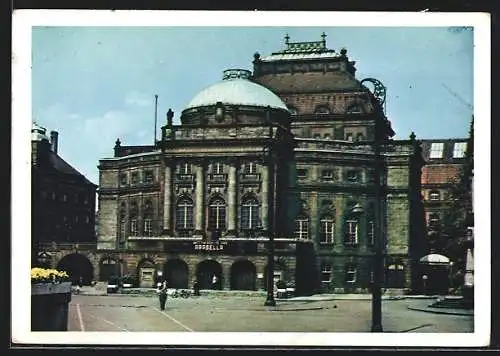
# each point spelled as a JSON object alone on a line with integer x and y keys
{"x": 97, "y": 84}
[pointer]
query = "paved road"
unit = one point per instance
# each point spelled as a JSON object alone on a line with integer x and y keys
{"x": 232, "y": 314}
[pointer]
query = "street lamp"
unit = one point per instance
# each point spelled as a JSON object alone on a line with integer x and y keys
{"x": 269, "y": 155}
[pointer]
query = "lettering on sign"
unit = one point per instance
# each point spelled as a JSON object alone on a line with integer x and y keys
{"x": 209, "y": 246}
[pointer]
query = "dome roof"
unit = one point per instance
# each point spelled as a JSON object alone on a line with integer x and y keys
{"x": 435, "y": 258}
{"x": 38, "y": 132}
{"x": 236, "y": 89}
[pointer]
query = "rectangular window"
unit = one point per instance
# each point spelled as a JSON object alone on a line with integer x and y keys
{"x": 327, "y": 231}
{"x": 436, "y": 150}
{"x": 250, "y": 168}
{"x": 459, "y": 149}
{"x": 218, "y": 168}
{"x": 302, "y": 229}
{"x": 147, "y": 227}
{"x": 434, "y": 195}
{"x": 350, "y": 274}
{"x": 133, "y": 227}
{"x": 148, "y": 176}
{"x": 186, "y": 168}
{"x": 327, "y": 174}
{"x": 135, "y": 178}
{"x": 326, "y": 273}
{"x": 351, "y": 233}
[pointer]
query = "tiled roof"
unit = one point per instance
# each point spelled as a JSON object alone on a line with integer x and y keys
{"x": 61, "y": 166}
{"x": 439, "y": 173}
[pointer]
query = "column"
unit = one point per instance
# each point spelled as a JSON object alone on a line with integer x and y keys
{"x": 232, "y": 198}
{"x": 199, "y": 200}
{"x": 265, "y": 198}
{"x": 167, "y": 200}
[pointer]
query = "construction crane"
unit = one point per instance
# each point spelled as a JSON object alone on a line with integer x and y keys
{"x": 458, "y": 97}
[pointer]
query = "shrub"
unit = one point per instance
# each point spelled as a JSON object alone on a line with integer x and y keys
{"x": 48, "y": 275}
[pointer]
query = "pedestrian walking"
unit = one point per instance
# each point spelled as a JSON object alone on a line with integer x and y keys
{"x": 162, "y": 293}
{"x": 196, "y": 288}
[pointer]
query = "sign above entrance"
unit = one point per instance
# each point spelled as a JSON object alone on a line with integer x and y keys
{"x": 209, "y": 245}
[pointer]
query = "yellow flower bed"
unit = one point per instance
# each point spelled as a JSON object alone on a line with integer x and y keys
{"x": 44, "y": 275}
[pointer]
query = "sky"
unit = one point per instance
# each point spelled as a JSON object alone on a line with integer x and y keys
{"x": 96, "y": 84}
{"x": 92, "y": 76}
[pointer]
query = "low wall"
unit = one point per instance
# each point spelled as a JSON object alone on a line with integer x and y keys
{"x": 49, "y": 306}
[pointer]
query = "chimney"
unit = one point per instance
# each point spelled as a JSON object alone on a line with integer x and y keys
{"x": 53, "y": 141}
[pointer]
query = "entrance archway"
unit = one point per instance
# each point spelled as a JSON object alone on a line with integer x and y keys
{"x": 109, "y": 267}
{"x": 77, "y": 266}
{"x": 205, "y": 271}
{"x": 176, "y": 273}
{"x": 243, "y": 275}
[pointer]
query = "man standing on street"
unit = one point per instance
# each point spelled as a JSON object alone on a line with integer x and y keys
{"x": 162, "y": 293}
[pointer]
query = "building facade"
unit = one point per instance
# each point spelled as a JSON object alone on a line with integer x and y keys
{"x": 199, "y": 203}
{"x": 63, "y": 200}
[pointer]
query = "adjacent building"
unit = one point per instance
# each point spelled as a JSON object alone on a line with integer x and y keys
{"x": 63, "y": 200}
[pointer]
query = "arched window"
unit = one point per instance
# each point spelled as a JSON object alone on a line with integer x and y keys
{"x": 250, "y": 214}
{"x": 302, "y": 227}
{"x": 217, "y": 214}
{"x": 184, "y": 214}
{"x": 148, "y": 218}
{"x": 327, "y": 229}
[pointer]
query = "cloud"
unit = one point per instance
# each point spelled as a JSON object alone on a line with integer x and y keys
{"x": 135, "y": 98}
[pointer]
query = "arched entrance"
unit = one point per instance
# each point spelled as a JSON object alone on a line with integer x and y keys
{"x": 205, "y": 271}
{"x": 109, "y": 267}
{"x": 77, "y": 266}
{"x": 243, "y": 275}
{"x": 176, "y": 273}
{"x": 146, "y": 272}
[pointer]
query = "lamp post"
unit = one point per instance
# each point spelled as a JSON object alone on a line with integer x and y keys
{"x": 379, "y": 241}
{"x": 269, "y": 154}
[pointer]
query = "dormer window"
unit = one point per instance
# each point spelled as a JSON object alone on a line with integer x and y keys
{"x": 436, "y": 150}
{"x": 459, "y": 149}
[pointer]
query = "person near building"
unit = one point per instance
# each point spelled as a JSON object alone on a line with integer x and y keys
{"x": 214, "y": 282}
{"x": 162, "y": 293}
{"x": 196, "y": 288}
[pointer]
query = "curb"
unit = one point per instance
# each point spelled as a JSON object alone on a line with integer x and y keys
{"x": 442, "y": 311}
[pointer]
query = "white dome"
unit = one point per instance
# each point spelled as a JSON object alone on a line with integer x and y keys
{"x": 435, "y": 258}
{"x": 236, "y": 89}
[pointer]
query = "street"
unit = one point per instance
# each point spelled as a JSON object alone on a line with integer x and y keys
{"x": 247, "y": 314}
